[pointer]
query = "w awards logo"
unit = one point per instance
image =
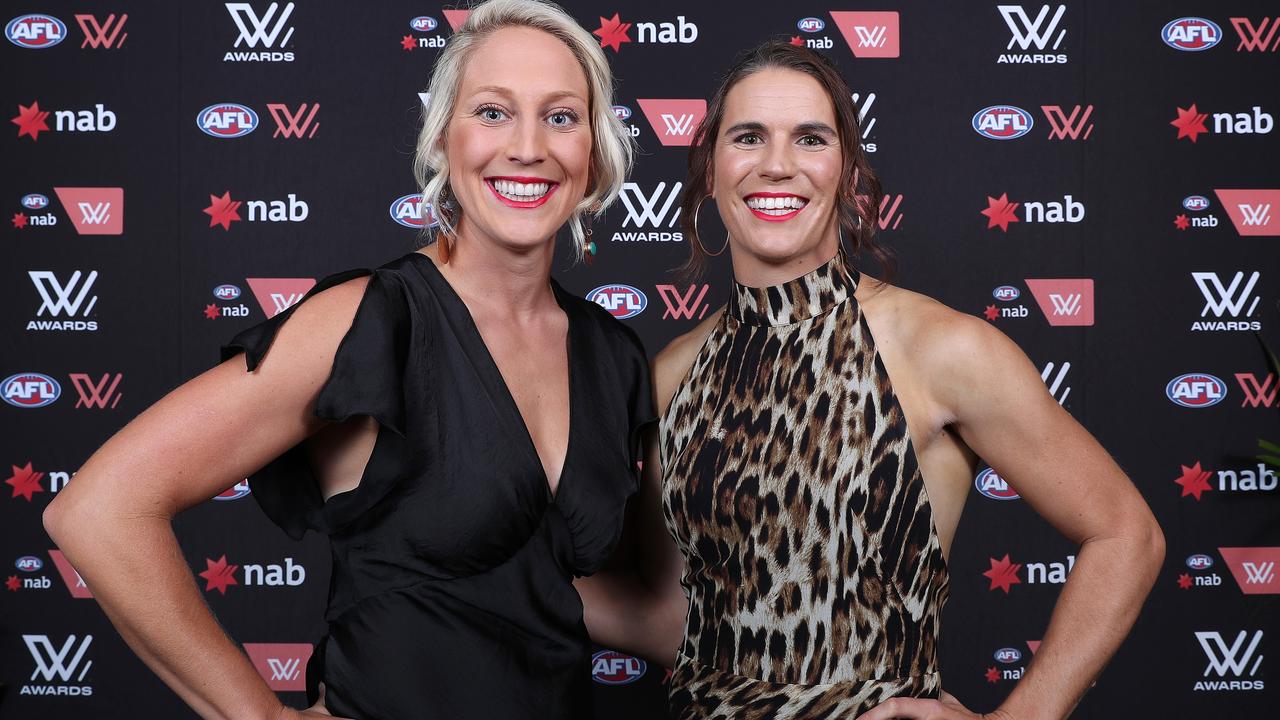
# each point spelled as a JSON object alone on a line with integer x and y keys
{"x": 1043, "y": 33}
{"x": 65, "y": 305}
{"x": 263, "y": 37}
{"x": 282, "y": 665}
{"x": 674, "y": 120}
{"x": 1232, "y": 667}
{"x": 60, "y": 669}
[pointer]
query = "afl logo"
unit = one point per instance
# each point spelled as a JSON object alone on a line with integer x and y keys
{"x": 30, "y": 390}
{"x": 235, "y": 492}
{"x": 29, "y": 563}
{"x": 226, "y": 292}
{"x": 622, "y": 301}
{"x": 411, "y": 212}
{"x": 1008, "y": 655}
{"x": 35, "y": 32}
{"x": 1200, "y": 561}
{"x": 993, "y": 486}
{"x": 1196, "y": 390}
{"x": 613, "y": 668}
{"x": 1006, "y": 293}
{"x": 227, "y": 120}
{"x": 423, "y": 23}
{"x": 1002, "y": 122}
{"x": 1196, "y": 203}
{"x": 1191, "y": 34}
{"x": 35, "y": 201}
{"x": 811, "y": 25}
{"x": 622, "y": 112}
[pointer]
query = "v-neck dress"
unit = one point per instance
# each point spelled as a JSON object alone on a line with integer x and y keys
{"x": 451, "y": 594}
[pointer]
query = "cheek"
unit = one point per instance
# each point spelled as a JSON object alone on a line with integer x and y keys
{"x": 467, "y": 151}
{"x": 574, "y": 153}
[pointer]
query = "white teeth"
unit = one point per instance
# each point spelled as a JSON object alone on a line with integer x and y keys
{"x": 776, "y": 205}
{"x": 522, "y": 192}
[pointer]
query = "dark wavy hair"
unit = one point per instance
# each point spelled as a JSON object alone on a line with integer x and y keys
{"x": 859, "y": 198}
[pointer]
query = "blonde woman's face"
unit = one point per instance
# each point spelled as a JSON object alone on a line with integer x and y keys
{"x": 519, "y": 141}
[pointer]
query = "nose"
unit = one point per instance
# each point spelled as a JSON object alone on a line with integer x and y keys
{"x": 777, "y": 162}
{"x": 528, "y": 145}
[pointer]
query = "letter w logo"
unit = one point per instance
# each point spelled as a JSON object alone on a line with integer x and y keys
{"x": 96, "y": 36}
{"x": 889, "y": 213}
{"x": 284, "y": 669}
{"x": 1255, "y": 214}
{"x": 1066, "y": 304}
{"x": 683, "y": 307}
{"x": 871, "y": 37}
{"x": 1259, "y": 573}
{"x": 292, "y": 125}
{"x": 678, "y": 125}
{"x": 97, "y": 394}
{"x": 1225, "y": 658}
{"x": 256, "y": 30}
{"x": 648, "y": 204}
{"x": 60, "y": 300}
{"x": 867, "y": 124}
{"x": 95, "y": 213}
{"x": 1026, "y": 31}
{"x": 1065, "y": 126}
{"x": 1251, "y": 39}
{"x": 1220, "y": 300}
{"x": 1258, "y": 394}
{"x": 51, "y": 663}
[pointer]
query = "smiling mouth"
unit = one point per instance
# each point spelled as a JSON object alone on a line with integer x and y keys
{"x": 775, "y": 207}
{"x": 521, "y": 192}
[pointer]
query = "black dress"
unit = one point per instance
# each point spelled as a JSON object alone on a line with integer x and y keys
{"x": 451, "y": 592}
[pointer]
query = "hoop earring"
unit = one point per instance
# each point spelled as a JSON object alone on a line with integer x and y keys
{"x": 697, "y": 236}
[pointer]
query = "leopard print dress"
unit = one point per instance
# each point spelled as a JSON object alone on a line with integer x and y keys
{"x": 815, "y": 576}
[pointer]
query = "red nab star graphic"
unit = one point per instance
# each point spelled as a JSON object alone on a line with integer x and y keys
{"x": 991, "y": 313}
{"x": 219, "y": 575}
{"x": 797, "y": 41}
{"x": 211, "y": 311}
{"x": 1194, "y": 480}
{"x": 1190, "y": 123}
{"x": 20, "y": 220}
{"x": 25, "y": 481}
{"x": 1181, "y": 222}
{"x": 408, "y": 43}
{"x": 1000, "y": 212}
{"x": 1003, "y": 574}
{"x": 612, "y": 32}
{"x": 31, "y": 121}
{"x": 993, "y": 675}
{"x": 13, "y": 583}
{"x": 223, "y": 210}
{"x": 1184, "y": 581}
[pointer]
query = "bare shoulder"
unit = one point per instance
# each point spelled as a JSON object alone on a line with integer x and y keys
{"x": 672, "y": 364}
{"x": 318, "y": 324}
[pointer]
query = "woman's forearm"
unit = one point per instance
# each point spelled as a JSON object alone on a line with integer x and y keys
{"x": 132, "y": 563}
{"x": 623, "y": 613}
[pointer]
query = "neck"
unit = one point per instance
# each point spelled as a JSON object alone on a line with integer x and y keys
{"x": 495, "y": 278}
{"x": 758, "y": 271}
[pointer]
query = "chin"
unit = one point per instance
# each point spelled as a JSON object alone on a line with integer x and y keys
{"x": 778, "y": 246}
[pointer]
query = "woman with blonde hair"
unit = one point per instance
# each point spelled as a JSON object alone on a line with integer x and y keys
{"x": 462, "y": 428}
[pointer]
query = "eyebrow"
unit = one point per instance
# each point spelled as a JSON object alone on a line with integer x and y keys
{"x": 549, "y": 97}
{"x": 804, "y": 128}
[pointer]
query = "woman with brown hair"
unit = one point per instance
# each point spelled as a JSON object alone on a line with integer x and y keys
{"x": 816, "y": 443}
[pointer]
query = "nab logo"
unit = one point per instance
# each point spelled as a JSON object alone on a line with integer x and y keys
{"x": 227, "y": 120}
{"x": 300, "y": 124}
{"x": 1190, "y": 123}
{"x": 1191, "y": 34}
{"x": 1064, "y": 302}
{"x": 869, "y": 34}
{"x": 1196, "y": 390}
{"x": 1002, "y": 211}
{"x": 270, "y": 30}
{"x": 1257, "y": 39}
{"x": 613, "y": 32}
{"x": 1075, "y": 126}
{"x": 32, "y": 121}
{"x": 613, "y": 668}
{"x": 1240, "y": 660}
{"x": 221, "y": 574}
{"x": 674, "y": 120}
{"x": 30, "y": 390}
{"x": 688, "y": 305}
{"x": 57, "y": 666}
{"x": 35, "y": 32}
{"x": 276, "y": 295}
{"x": 1039, "y": 33}
{"x": 223, "y": 210}
{"x": 411, "y": 212}
{"x": 282, "y": 665}
{"x": 235, "y": 492}
{"x": 1002, "y": 122}
{"x": 992, "y": 486}
{"x": 1227, "y": 300}
{"x": 93, "y": 210}
{"x": 622, "y": 301}
{"x": 1252, "y": 212}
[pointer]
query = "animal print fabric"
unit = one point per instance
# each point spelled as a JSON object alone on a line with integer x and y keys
{"x": 815, "y": 576}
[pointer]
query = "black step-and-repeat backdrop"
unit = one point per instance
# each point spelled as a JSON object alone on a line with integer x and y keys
{"x": 1099, "y": 180}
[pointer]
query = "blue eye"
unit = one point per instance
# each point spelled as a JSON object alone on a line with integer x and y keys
{"x": 490, "y": 113}
{"x": 563, "y": 118}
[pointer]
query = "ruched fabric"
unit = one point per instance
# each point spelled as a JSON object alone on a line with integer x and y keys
{"x": 451, "y": 594}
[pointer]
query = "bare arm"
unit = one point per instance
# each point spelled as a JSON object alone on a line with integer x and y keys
{"x": 1002, "y": 410}
{"x": 114, "y": 520}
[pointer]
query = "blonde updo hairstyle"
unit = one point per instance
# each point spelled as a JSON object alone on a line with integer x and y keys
{"x": 611, "y": 147}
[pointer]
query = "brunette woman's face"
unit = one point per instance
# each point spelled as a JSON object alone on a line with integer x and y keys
{"x": 519, "y": 142}
{"x": 776, "y": 169}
